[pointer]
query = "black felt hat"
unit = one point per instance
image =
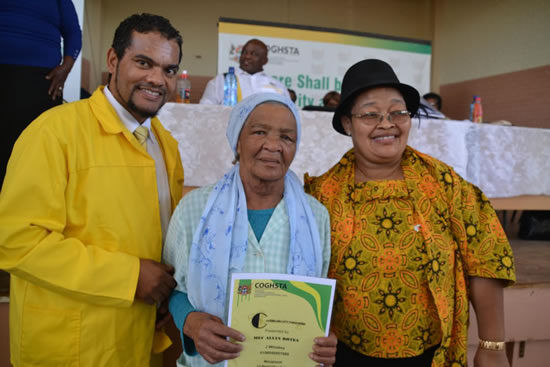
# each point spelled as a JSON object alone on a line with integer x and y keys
{"x": 367, "y": 74}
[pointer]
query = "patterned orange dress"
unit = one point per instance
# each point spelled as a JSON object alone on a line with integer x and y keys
{"x": 402, "y": 252}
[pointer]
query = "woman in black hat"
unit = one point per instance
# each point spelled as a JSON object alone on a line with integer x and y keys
{"x": 412, "y": 242}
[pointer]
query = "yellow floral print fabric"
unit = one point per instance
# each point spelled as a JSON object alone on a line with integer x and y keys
{"x": 402, "y": 252}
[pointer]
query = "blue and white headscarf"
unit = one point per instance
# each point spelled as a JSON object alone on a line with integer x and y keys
{"x": 221, "y": 239}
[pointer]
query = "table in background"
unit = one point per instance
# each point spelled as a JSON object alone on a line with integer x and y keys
{"x": 510, "y": 164}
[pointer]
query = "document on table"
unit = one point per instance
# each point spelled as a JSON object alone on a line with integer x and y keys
{"x": 279, "y": 315}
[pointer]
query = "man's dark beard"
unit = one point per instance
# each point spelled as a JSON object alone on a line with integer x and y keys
{"x": 141, "y": 112}
{"x": 132, "y": 107}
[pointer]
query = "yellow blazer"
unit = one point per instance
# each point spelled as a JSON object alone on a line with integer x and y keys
{"x": 78, "y": 208}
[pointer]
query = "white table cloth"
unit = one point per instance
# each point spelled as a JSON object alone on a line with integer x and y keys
{"x": 504, "y": 161}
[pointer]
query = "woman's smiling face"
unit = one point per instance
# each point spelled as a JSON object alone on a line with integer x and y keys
{"x": 385, "y": 141}
{"x": 267, "y": 143}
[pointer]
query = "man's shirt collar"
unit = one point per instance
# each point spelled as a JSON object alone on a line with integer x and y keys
{"x": 126, "y": 117}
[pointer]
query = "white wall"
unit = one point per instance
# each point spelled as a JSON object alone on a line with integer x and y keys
{"x": 475, "y": 39}
{"x": 71, "y": 90}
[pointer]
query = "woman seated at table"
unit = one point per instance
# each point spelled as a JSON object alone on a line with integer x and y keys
{"x": 256, "y": 219}
{"x": 412, "y": 242}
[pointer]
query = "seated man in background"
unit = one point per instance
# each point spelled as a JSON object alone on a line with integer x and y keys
{"x": 331, "y": 99}
{"x": 434, "y": 100}
{"x": 430, "y": 107}
{"x": 87, "y": 198}
{"x": 250, "y": 74}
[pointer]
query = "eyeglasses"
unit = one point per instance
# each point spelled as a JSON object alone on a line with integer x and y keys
{"x": 374, "y": 118}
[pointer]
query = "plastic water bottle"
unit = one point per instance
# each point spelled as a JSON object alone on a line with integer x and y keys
{"x": 478, "y": 110}
{"x": 183, "y": 85}
{"x": 471, "y": 115}
{"x": 230, "y": 88}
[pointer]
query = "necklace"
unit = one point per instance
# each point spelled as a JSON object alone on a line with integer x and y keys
{"x": 396, "y": 174}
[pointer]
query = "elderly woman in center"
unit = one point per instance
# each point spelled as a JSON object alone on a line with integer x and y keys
{"x": 412, "y": 242}
{"x": 256, "y": 219}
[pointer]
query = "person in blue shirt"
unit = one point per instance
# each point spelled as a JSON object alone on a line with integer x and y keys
{"x": 33, "y": 64}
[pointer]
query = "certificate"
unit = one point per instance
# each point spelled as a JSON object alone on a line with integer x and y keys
{"x": 279, "y": 315}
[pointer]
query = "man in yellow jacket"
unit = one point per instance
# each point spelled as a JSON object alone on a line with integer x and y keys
{"x": 83, "y": 211}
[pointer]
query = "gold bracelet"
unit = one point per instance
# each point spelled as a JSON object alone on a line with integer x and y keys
{"x": 484, "y": 344}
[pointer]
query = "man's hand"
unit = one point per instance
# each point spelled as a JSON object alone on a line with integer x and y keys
{"x": 490, "y": 358}
{"x": 155, "y": 281}
{"x": 324, "y": 350}
{"x": 209, "y": 334}
{"x": 163, "y": 315}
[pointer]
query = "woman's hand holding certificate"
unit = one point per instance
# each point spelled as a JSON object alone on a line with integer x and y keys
{"x": 210, "y": 337}
{"x": 324, "y": 350}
